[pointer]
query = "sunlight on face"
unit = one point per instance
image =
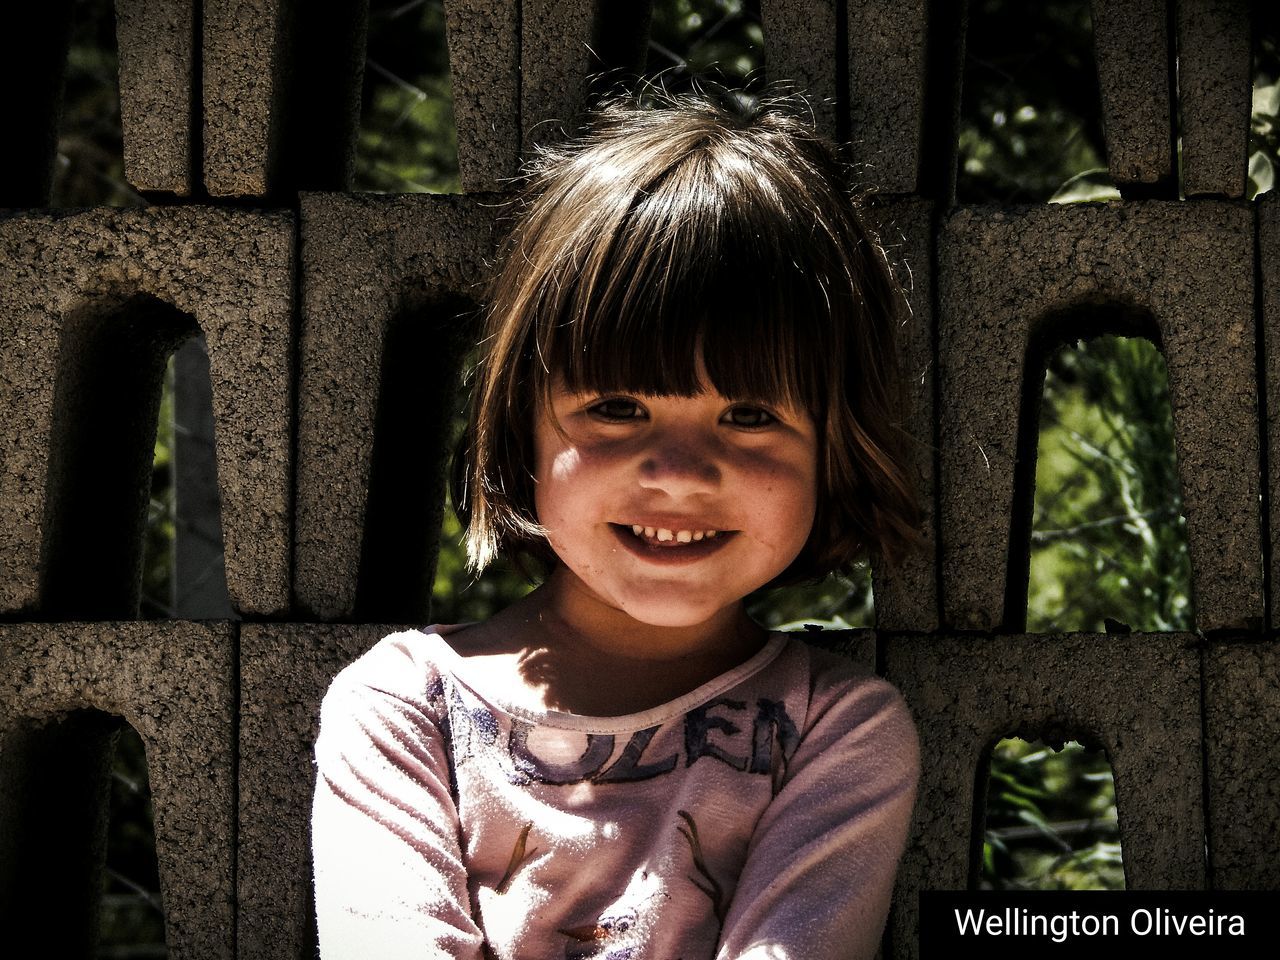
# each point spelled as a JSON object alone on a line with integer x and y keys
{"x": 671, "y": 509}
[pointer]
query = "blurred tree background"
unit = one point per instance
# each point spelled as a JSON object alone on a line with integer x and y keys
{"x": 1108, "y": 541}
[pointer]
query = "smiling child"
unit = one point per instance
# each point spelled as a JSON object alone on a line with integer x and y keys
{"x": 687, "y": 393}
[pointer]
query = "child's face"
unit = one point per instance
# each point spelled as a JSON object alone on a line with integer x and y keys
{"x": 678, "y": 468}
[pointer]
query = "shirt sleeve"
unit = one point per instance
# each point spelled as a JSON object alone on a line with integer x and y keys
{"x": 390, "y": 881}
{"x": 821, "y": 862}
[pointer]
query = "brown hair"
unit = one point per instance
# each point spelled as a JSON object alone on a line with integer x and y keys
{"x": 701, "y": 225}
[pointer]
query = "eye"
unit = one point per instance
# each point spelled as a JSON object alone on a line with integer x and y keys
{"x": 749, "y": 418}
{"x": 616, "y": 410}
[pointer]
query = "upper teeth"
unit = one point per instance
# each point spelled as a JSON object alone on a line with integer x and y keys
{"x": 663, "y": 534}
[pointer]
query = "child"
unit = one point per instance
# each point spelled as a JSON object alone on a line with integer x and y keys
{"x": 686, "y": 395}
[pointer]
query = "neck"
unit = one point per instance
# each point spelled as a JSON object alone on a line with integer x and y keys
{"x": 584, "y": 656}
{"x": 575, "y": 618}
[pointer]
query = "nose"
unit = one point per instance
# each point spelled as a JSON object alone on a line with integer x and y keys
{"x": 680, "y": 465}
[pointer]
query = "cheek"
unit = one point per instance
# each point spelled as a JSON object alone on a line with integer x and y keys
{"x": 783, "y": 488}
{"x": 570, "y": 480}
{"x": 783, "y": 498}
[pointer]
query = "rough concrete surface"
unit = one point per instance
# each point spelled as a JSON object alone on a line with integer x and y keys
{"x": 1131, "y": 43}
{"x": 1214, "y": 93}
{"x": 366, "y": 263}
{"x": 1267, "y": 209}
{"x": 907, "y": 598}
{"x": 555, "y": 58}
{"x": 285, "y": 670}
{"x": 484, "y": 38}
{"x": 243, "y": 78}
{"x": 1011, "y": 278}
{"x": 1242, "y": 702}
{"x": 233, "y": 273}
{"x": 857, "y": 645}
{"x": 173, "y": 683}
{"x": 887, "y": 59}
{"x": 156, "y": 40}
{"x": 1137, "y": 697}
{"x": 800, "y": 50}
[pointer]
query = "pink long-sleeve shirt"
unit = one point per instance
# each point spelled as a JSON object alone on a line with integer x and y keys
{"x": 760, "y": 816}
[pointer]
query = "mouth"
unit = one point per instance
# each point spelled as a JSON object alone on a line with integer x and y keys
{"x": 661, "y": 545}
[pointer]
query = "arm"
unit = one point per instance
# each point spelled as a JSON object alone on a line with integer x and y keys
{"x": 390, "y": 881}
{"x": 821, "y": 863}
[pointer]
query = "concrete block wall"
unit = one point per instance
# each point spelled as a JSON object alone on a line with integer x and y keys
{"x": 336, "y": 324}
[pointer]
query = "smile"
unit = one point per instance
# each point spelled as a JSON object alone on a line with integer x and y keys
{"x": 661, "y": 545}
{"x": 663, "y": 535}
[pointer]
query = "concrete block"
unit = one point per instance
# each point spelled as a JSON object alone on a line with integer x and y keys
{"x": 907, "y": 599}
{"x": 94, "y": 303}
{"x": 1242, "y": 709}
{"x": 386, "y": 283}
{"x": 243, "y": 94}
{"x": 484, "y": 44}
{"x": 1131, "y": 45}
{"x": 555, "y": 58}
{"x": 285, "y": 670}
{"x": 800, "y": 49}
{"x": 281, "y": 95}
{"x": 1215, "y": 77}
{"x": 1018, "y": 281}
{"x": 156, "y": 41}
{"x": 1267, "y": 209}
{"x": 888, "y": 44}
{"x": 1136, "y": 696}
{"x": 172, "y": 682}
{"x": 858, "y": 645}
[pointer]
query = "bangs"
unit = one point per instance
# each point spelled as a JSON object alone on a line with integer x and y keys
{"x": 703, "y": 243}
{"x": 707, "y": 264}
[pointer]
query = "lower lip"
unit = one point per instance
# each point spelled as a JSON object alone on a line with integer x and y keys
{"x": 667, "y": 555}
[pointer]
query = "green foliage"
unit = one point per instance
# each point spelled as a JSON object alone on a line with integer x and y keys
{"x": 408, "y": 142}
{"x": 459, "y": 597}
{"x": 834, "y": 603}
{"x": 157, "y": 547}
{"x": 89, "y": 166}
{"x": 1108, "y": 539}
{"x": 131, "y": 922}
{"x": 1030, "y": 119}
{"x": 1051, "y": 820}
{"x": 1264, "y": 128}
{"x": 721, "y": 39}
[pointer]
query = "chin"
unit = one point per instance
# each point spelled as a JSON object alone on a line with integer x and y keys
{"x": 671, "y": 613}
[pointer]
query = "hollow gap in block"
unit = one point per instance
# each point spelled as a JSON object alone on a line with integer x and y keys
{"x": 408, "y": 142}
{"x": 619, "y": 46}
{"x": 89, "y": 163}
{"x": 54, "y": 789}
{"x": 459, "y": 596}
{"x": 719, "y": 40}
{"x": 184, "y": 572}
{"x": 422, "y": 353}
{"x": 1030, "y": 116}
{"x": 131, "y": 916}
{"x": 113, "y": 353}
{"x": 1264, "y": 130}
{"x": 33, "y": 58}
{"x": 1049, "y": 820}
{"x": 1108, "y": 541}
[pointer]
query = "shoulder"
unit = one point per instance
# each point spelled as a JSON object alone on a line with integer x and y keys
{"x": 852, "y": 708}
{"x": 406, "y": 667}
